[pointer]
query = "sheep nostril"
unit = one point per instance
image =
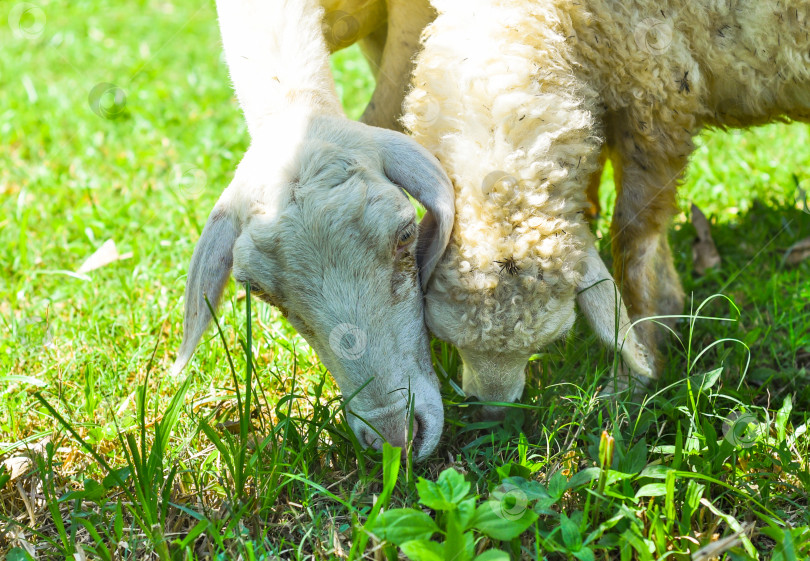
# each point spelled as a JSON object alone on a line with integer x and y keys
{"x": 416, "y": 435}
{"x": 371, "y": 439}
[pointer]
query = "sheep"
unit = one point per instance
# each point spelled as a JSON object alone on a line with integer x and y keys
{"x": 523, "y": 100}
{"x": 315, "y": 220}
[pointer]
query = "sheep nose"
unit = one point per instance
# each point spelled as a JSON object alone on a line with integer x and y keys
{"x": 397, "y": 437}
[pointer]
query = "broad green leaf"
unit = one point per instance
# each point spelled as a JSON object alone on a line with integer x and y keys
{"x": 584, "y": 477}
{"x": 708, "y": 379}
{"x": 631, "y": 541}
{"x": 448, "y": 490}
{"x": 652, "y": 490}
{"x": 391, "y": 462}
{"x": 93, "y": 491}
{"x": 570, "y": 533}
{"x": 465, "y": 512}
{"x": 112, "y": 479}
{"x": 636, "y": 458}
{"x": 603, "y": 527}
{"x": 532, "y": 489}
{"x": 401, "y": 525}
{"x": 543, "y": 506}
{"x": 118, "y": 521}
{"x": 655, "y": 471}
{"x": 511, "y": 500}
{"x": 557, "y": 485}
{"x": 584, "y": 554}
{"x": 491, "y": 520}
{"x": 493, "y": 555}
{"x": 18, "y": 554}
{"x": 423, "y": 550}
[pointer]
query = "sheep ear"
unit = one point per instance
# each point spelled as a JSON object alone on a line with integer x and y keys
{"x": 413, "y": 168}
{"x": 208, "y": 273}
{"x": 599, "y": 298}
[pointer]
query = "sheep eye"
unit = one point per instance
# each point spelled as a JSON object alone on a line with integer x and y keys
{"x": 406, "y": 237}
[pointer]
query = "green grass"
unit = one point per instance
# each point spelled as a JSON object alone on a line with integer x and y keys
{"x": 127, "y": 463}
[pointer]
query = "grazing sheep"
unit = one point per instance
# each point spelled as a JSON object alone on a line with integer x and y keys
{"x": 315, "y": 219}
{"x": 522, "y": 100}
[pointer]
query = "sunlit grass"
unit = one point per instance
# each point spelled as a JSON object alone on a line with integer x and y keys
{"x": 72, "y": 178}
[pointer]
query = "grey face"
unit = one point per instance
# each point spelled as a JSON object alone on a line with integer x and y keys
{"x": 331, "y": 239}
{"x": 340, "y": 262}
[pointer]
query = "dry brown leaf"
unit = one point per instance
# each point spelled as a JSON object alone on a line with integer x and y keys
{"x": 704, "y": 252}
{"x": 798, "y": 252}
{"x": 17, "y": 466}
{"x": 102, "y": 257}
{"x": 233, "y": 427}
{"x": 716, "y": 549}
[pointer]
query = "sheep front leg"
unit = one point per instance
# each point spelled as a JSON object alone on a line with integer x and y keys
{"x": 594, "y": 208}
{"x": 642, "y": 260}
{"x": 406, "y": 21}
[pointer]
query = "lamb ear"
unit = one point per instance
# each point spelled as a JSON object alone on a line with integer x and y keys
{"x": 598, "y": 297}
{"x": 208, "y": 273}
{"x": 413, "y": 168}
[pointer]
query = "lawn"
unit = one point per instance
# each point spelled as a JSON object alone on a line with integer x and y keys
{"x": 117, "y": 122}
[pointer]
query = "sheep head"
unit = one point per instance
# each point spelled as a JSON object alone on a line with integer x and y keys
{"x": 498, "y": 100}
{"x": 499, "y": 316}
{"x": 319, "y": 226}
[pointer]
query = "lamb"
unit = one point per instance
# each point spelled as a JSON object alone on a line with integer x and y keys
{"x": 522, "y": 101}
{"x": 315, "y": 220}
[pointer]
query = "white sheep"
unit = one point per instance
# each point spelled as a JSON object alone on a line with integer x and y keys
{"x": 521, "y": 100}
{"x": 315, "y": 219}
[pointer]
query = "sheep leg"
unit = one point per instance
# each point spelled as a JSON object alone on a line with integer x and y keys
{"x": 372, "y": 48}
{"x": 642, "y": 259}
{"x": 594, "y": 210}
{"x": 348, "y": 21}
{"x": 406, "y": 20}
